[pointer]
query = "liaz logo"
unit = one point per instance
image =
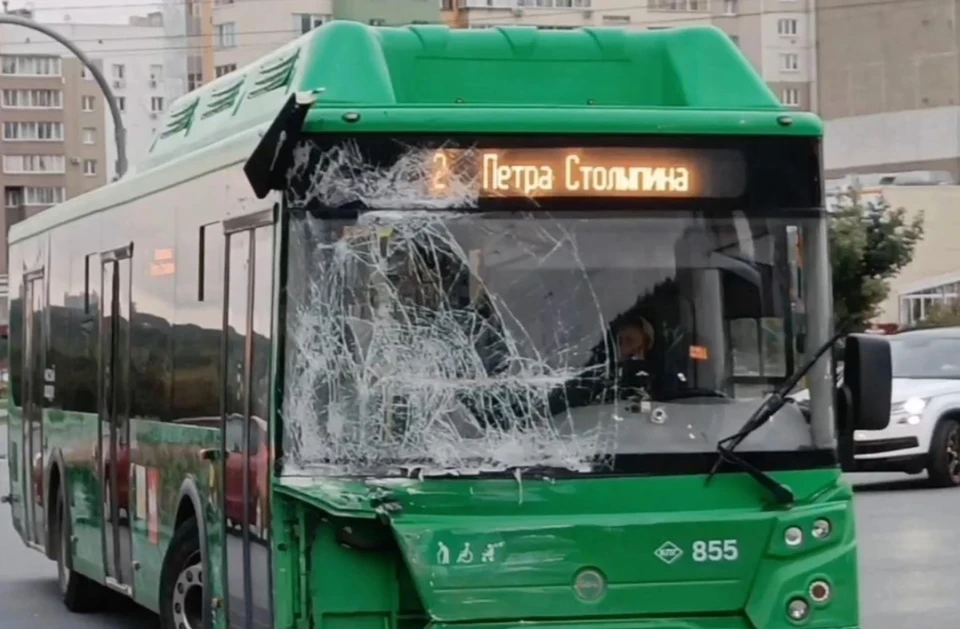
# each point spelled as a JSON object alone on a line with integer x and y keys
{"x": 668, "y": 552}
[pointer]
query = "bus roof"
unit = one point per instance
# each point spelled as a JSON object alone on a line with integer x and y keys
{"x": 427, "y": 78}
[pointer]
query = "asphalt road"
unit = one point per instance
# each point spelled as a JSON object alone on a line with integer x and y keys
{"x": 909, "y": 563}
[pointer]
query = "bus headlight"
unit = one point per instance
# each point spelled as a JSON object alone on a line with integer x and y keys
{"x": 798, "y": 609}
{"x": 821, "y": 528}
{"x": 793, "y": 536}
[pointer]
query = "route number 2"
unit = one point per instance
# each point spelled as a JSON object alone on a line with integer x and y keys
{"x": 715, "y": 550}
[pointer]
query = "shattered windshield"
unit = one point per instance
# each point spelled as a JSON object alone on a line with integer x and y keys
{"x": 468, "y": 342}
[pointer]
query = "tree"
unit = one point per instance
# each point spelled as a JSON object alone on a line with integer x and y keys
{"x": 870, "y": 242}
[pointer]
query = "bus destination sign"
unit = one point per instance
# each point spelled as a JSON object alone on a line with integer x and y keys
{"x": 621, "y": 172}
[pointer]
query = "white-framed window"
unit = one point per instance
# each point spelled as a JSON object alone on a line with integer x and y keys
{"x": 787, "y": 26}
{"x": 122, "y": 103}
{"x": 194, "y": 81}
{"x": 34, "y": 164}
{"x": 32, "y": 99}
{"x": 33, "y": 131}
{"x": 226, "y": 68}
{"x": 90, "y": 167}
{"x": 86, "y": 74}
{"x": 916, "y": 305}
{"x": 156, "y": 104}
{"x": 226, "y": 35}
{"x": 119, "y": 71}
{"x": 790, "y": 96}
{"x": 30, "y": 65}
{"x": 44, "y": 195}
{"x": 87, "y": 103}
{"x": 13, "y": 197}
{"x": 680, "y": 5}
{"x": 789, "y": 61}
{"x": 305, "y": 22}
{"x": 730, "y": 7}
{"x": 89, "y": 135}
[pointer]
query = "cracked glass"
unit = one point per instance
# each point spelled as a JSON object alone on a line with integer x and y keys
{"x": 425, "y": 336}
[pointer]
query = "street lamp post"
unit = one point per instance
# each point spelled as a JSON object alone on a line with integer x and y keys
{"x": 120, "y": 134}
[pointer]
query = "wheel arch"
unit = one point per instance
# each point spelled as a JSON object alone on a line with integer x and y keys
{"x": 944, "y": 416}
{"x": 189, "y": 504}
{"x": 950, "y": 413}
{"x": 54, "y": 480}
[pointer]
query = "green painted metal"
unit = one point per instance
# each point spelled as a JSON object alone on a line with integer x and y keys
{"x": 172, "y": 450}
{"x": 527, "y": 540}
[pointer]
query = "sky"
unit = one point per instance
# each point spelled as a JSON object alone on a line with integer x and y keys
{"x": 87, "y": 11}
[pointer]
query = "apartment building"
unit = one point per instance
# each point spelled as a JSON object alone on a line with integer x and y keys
{"x": 777, "y": 36}
{"x": 52, "y": 141}
{"x": 133, "y": 59}
{"x": 890, "y": 85}
{"x": 244, "y": 30}
{"x": 188, "y": 31}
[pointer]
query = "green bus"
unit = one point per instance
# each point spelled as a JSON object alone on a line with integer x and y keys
{"x": 417, "y": 327}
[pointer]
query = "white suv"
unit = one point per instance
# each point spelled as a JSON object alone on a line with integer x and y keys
{"x": 924, "y": 429}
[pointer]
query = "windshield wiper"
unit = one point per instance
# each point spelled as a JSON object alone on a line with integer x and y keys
{"x": 767, "y": 409}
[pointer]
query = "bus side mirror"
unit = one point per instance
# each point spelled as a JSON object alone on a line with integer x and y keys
{"x": 867, "y": 381}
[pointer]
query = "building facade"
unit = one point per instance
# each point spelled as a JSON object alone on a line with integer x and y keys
{"x": 777, "y": 36}
{"x": 52, "y": 144}
{"x": 56, "y": 131}
{"x": 132, "y": 57}
{"x": 890, "y": 85}
{"x": 188, "y": 35}
{"x": 244, "y": 31}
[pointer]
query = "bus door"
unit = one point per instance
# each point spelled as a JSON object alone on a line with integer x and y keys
{"x": 114, "y": 405}
{"x": 34, "y": 359}
{"x": 247, "y": 299}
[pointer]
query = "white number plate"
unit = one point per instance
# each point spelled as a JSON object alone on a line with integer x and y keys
{"x": 712, "y": 550}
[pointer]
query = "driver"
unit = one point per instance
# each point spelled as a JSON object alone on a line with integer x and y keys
{"x": 634, "y": 340}
{"x": 627, "y": 367}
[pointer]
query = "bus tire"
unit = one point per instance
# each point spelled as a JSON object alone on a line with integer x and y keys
{"x": 181, "y": 580}
{"x": 944, "y": 467}
{"x": 79, "y": 593}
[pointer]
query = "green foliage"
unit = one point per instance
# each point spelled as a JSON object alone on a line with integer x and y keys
{"x": 870, "y": 242}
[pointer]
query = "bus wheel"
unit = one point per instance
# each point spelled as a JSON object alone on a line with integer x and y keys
{"x": 79, "y": 593}
{"x": 181, "y": 583}
{"x": 944, "y": 467}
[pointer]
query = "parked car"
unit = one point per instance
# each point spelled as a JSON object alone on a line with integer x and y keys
{"x": 924, "y": 429}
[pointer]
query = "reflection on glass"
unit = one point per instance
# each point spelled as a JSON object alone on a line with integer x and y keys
{"x": 925, "y": 355}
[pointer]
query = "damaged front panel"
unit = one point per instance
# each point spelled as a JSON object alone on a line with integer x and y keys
{"x": 399, "y": 355}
